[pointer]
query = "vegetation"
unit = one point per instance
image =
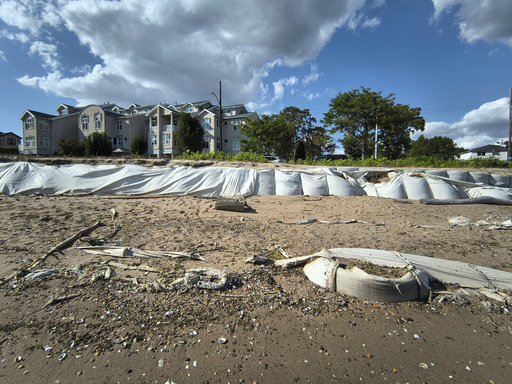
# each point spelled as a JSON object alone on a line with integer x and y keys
{"x": 279, "y": 134}
{"x": 139, "y": 145}
{"x": 437, "y": 145}
{"x": 189, "y": 136}
{"x": 97, "y": 144}
{"x": 358, "y": 113}
{"x": 9, "y": 150}
{"x": 71, "y": 146}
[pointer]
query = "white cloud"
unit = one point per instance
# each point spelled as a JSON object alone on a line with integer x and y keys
{"x": 47, "y": 53}
{"x": 313, "y": 75}
{"x": 279, "y": 87}
{"x": 155, "y": 50}
{"x": 371, "y": 23}
{"x": 479, "y": 20}
{"x": 478, "y": 127}
{"x": 2, "y": 56}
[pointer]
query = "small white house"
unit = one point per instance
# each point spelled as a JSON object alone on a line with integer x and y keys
{"x": 487, "y": 151}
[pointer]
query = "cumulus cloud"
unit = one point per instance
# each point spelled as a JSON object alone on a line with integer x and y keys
{"x": 279, "y": 87}
{"x": 478, "y": 127}
{"x": 479, "y": 20}
{"x": 154, "y": 50}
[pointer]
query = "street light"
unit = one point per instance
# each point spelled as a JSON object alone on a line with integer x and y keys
{"x": 219, "y": 100}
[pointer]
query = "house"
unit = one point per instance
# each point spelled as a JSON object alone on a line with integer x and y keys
{"x": 9, "y": 140}
{"x": 158, "y": 123}
{"x": 487, "y": 151}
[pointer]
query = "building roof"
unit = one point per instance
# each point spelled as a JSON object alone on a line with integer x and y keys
{"x": 488, "y": 148}
{"x": 38, "y": 114}
{"x": 9, "y": 133}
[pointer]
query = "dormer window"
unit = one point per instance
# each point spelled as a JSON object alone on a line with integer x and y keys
{"x": 133, "y": 111}
{"x": 190, "y": 109}
{"x": 64, "y": 111}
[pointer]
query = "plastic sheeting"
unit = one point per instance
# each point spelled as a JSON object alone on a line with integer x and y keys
{"x": 29, "y": 178}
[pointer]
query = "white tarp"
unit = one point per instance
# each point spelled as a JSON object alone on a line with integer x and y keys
{"x": 29, "y": 178}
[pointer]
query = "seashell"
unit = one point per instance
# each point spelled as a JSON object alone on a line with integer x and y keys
{"x": 62, "y": 356}
{"x": 222, "y": 340}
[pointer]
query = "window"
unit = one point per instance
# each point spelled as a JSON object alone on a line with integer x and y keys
{"x": 120, "y": 141}
{"x": 236, "y": 144}
{"x": 10, "y": 141}
{"x": 218, "y": 143}
{"x": 236, "y": 125}
{"x": 29, "y": 123}
{"x": 480, "y": 153}
{"x": 64, "y": 111}
{"x": 166, "y": 139}
{"x": 30, "y": 141}
{"x": 134, "y": 111}
{"x": 44, "y": 142}
{"x": 206, "y": 144}
{"x": 119, "y": 125}
{"x": 206, "y": 124}
{"x": 97, "y": 121}
{"x": 154, "y": 140}
{"x": 85, "y": 123}
{"x": 190, "y": 109}
{"x": 44, "y": 126}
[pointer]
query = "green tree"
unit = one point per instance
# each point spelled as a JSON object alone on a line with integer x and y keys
{"x": 189, "y": 136}
{"x": 437, "y": 145}
{"x": 300, "y": 151}
{"x": 352, "y": 146}
{"x": 71, "y": 146}
{"x": 139, "y": 145}
{"x": 357, "y": 113}
{"x": 97, "y": 144}
{"x": 280, "y": 133}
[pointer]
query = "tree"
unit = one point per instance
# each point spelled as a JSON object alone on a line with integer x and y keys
{"x": 280, "y": 133}
{"x": 97, "y": 144}
{"x": 437, "y": 145}
{"x": 357, "y": 113}
{"x": 189, "y": 136}
{"x": 71, "y": 146}
{"x": 300, "y": 151}
{"x": 139, "y": 145}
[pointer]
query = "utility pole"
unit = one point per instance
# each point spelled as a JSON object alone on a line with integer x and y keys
{"x": 219, "y": 100}
{"x": 509, "y": 152}
{"x": 376, "y": 129}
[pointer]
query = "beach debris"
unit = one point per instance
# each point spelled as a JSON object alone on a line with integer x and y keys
{"x": 230, "y": 205}
{"x": 257, "y": 260}
{"x": 126, "y": 252}
{"x": 471, "y": 200}
{"x": 58, "y": 247}
{"x": 55, "y": 300}
{"x": 461, "y": 221}
{"x": 352, "y": 221}
{"x": 222, "y": 340}
{"x": 40, "y": 274}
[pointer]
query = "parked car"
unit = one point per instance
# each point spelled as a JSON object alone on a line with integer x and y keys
{"x": 273, "y": 159}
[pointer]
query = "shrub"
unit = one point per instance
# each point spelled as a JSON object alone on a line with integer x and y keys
{"x": 139, "y": 145}
{"x": 71, "y": 146}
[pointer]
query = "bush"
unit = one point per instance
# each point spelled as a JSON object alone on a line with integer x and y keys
{"x": 9, "y": 150}
{"x": 71, "y": 146}
{"x": 139, "y": 145}
{"x": 97, "y": 144}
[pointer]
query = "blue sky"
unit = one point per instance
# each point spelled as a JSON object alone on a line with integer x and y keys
{"x": 451, "y": 58}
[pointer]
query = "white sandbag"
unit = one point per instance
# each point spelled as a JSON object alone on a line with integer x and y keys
{"x": 479, "y": 178}
{"x": 287, "y": 183}
{"x": 441, "y": 189}
{"x": 357, "y": 283}
{"x": 437, "y": 172}
{"x": 339, "y": 186}
{"x": 393, "y": 189}
{"x": 265, "y": 182}
{"x": 502, "y": 181}
{"x": 313, "y": 184}
{"x": 416, "y": 187}
{"x": 458, "y": 175}
{"x": 499, "y": 193}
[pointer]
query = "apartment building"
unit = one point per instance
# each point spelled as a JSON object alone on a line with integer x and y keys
{"x": 158, "y": 123}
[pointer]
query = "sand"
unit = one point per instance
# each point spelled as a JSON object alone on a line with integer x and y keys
{"x": 278, "y": 326}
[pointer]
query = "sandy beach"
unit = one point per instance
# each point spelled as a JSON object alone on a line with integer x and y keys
{"x": 271, "y": 325}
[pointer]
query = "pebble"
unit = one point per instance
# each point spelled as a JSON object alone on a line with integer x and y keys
{"x": 161, "y": 363}
{"x": 423, "y": 365}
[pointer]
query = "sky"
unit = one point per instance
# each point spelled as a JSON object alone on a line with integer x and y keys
{"x": 451, "y": 58}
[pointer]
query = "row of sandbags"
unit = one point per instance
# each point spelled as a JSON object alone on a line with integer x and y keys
{"x": 29, "y": 178}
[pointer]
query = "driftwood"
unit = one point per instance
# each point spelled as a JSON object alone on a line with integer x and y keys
{"x": 229, "y": 205}
{"x": 124, "y": 252}
{"x": 472, "y": 200}
{"x": 58, "y": 247}
{"x": 56, "y": 300}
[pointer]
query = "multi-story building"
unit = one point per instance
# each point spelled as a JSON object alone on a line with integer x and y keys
{"x": 158, "y": 123}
